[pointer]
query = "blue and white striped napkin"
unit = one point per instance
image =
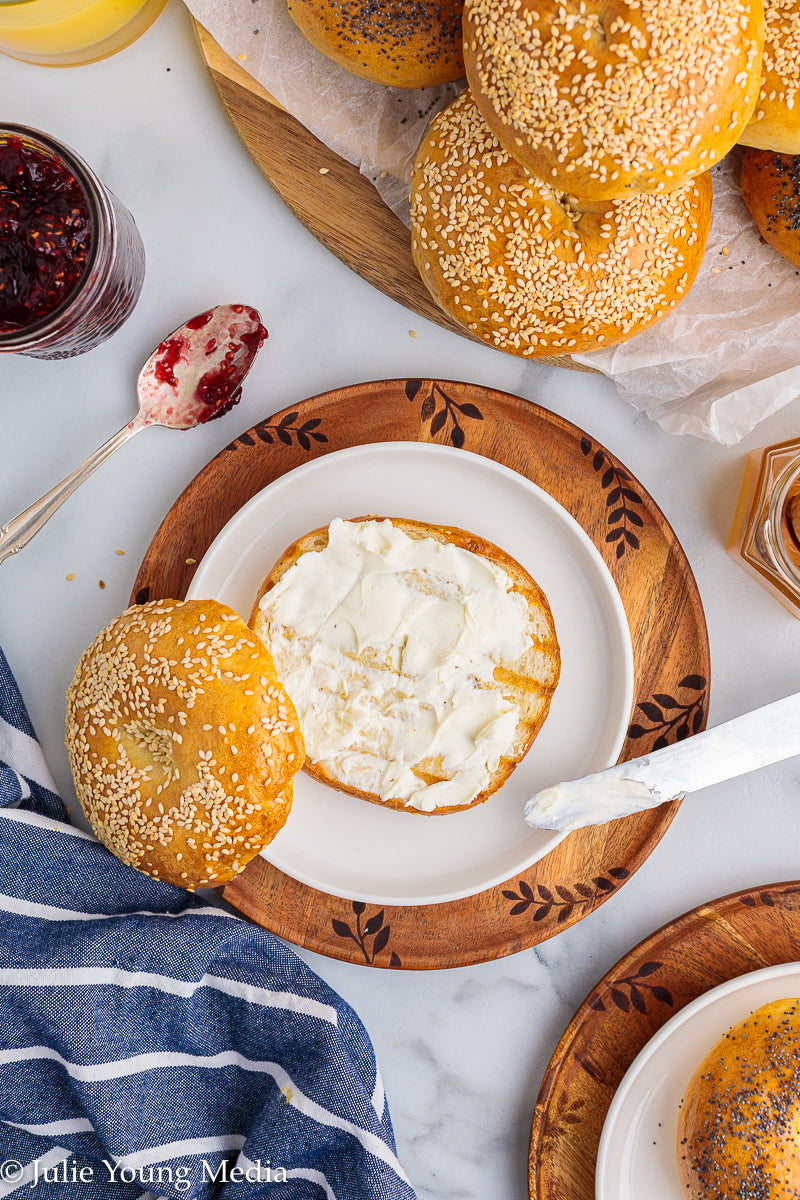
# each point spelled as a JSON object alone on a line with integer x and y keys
{"x": 152, "y": 1045}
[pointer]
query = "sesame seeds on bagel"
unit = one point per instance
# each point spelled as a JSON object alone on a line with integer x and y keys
{"x": 532, "y": 270}
{"x": 775, "y": 123}
{"x": 181, "y": 741}
{"x": 604, "y": 98}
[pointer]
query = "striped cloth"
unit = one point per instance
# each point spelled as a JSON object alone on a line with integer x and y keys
{"x": 152, "y": 1045}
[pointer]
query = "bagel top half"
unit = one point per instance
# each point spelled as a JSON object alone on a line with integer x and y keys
{"x": 181, "y": 741}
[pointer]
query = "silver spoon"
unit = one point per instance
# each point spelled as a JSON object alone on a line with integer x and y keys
{"x": 194, "y": 375}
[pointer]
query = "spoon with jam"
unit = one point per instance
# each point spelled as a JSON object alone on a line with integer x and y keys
{"x": 193, "y": 376}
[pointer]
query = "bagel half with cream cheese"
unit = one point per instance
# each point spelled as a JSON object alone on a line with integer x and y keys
{"x": 421, "y": 659}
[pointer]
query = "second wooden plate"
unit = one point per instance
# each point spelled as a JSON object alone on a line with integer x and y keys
{"x": 718, "y": 941}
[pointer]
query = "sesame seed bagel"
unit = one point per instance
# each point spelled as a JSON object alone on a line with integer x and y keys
{"x": 775, "y": 123}
{"x": 603, "y": 98}
{"x": 534, "y": 271}
{"x": 421, "y": 659}
{"x": 738, "y": 1124}
{"x": 181, "y": 741}
{"x": 399, "y": 43}
{"x": 771, "y": 190}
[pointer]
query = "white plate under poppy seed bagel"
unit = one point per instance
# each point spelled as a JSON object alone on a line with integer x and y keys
{"x": 533, "y": 271}
{"x": 775, "y": 123}
{"x": 421, "y": 659}
{"x": 181, "y": 741}
{"x": 397, "y": 43}
{"x": 606, "y": 97}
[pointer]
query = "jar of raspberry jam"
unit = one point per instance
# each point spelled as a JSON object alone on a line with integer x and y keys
{"x": 71, "y": 258}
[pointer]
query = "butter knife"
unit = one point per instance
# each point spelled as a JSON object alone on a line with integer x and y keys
{"x": 756, "y": 739}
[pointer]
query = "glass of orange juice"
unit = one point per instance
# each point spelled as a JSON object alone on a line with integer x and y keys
{"x": 64, "y": 33}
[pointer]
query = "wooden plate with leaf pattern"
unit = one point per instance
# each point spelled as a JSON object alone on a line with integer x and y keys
{"x": 658, "y": 591}
{"x": 721, "y": 940}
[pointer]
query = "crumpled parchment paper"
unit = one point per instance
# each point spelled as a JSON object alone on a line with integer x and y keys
{"x": 727, "y": 357}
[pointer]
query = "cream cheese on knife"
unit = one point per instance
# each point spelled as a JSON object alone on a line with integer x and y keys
{"x": 744, "y": 744}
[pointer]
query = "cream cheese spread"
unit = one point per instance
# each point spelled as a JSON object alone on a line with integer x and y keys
{"x": 592, "y": 800}
{"x": 387, "y": 646}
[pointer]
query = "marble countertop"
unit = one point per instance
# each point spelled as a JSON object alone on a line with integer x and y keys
{"x": 462, "y": 1051}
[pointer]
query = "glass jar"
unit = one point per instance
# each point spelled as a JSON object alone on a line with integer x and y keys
{"x": 64, "y": 33}
{"x": 765, "y": 536}
{"x": 112, "y": 255}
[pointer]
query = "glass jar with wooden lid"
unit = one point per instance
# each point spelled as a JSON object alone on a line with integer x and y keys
{"x": 765, "y": 536}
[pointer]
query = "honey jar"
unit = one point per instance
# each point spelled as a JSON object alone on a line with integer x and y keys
{"x": 765, "y": 536}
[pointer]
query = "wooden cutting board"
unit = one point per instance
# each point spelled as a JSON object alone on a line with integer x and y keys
{"x": 337, "y": 204}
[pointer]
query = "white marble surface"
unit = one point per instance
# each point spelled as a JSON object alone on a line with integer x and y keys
{"x": 462, "y": 1051}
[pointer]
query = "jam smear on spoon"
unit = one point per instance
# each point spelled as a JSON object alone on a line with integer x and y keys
{"x": 196, "y": 373}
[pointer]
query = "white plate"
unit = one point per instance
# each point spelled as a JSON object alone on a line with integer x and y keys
{"x": 347, "y": 847}
{"x": 636, "y": 1156}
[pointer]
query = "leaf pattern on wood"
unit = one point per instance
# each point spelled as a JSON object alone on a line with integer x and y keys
{"x": 788, "y": 897}
{"x": 622, "y": 515}
{"x": 566, "y": 1115}
{"x": 563, "y": 901}
{"x": 672, "y": 717}
{"x": 286, "y": 432}
{"x": 632, "y": 992}
{"x": 442, "y": 410}
{"x": 373, "y": 927}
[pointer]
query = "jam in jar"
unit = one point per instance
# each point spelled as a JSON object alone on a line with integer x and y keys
{"x": 71, "y": 259}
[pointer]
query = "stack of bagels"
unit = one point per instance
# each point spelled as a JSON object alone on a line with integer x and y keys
{"x": 562, "y": 202}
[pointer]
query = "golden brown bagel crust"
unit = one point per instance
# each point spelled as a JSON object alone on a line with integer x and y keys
{"x": 399, "y": 43}
{"x": 181, "y": 741}
{"x": 607, "y": 97}
{"x": 775, "y": 123}
{"x": 531, "y": 270}
{"x": 771, "y": 190}
{"x": 737, "y": 1127}
{"x": 528, "y": 683}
